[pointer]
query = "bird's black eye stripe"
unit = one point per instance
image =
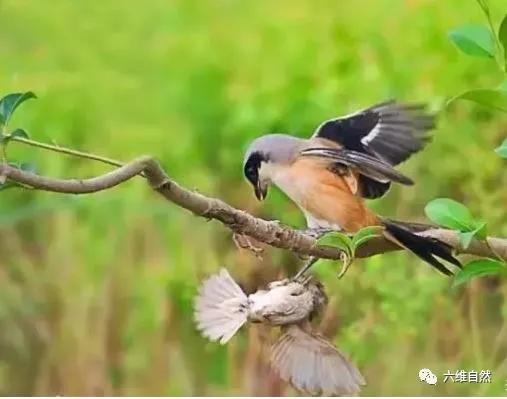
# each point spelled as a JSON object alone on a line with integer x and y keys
{"x": 252, "y": 165}
{"x": 252, "y": 173}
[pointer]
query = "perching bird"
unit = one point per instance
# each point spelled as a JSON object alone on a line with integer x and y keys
{"x": 300, "y": 356}
{"x": 346, "y": 160}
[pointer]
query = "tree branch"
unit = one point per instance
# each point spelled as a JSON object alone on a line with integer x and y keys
{"x": 238, "y": 221}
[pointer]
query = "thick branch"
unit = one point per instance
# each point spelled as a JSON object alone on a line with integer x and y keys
{"x": 241, "y": 222}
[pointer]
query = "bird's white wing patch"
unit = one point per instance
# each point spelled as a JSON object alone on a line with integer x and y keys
{"x": 374, "y": 133}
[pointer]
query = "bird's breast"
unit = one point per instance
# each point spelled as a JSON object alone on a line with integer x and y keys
{"x": 326, "y": 199}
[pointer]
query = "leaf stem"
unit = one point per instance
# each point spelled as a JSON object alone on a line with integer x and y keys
{"x": 3, "y": 152}
{"x": 498, "y": 55}
{"x": 347, "y": 260}
{"x": 68, "y": 151}
{"x": 3, "y": 145}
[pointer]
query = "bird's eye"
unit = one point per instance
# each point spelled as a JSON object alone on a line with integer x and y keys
{"x": 296, "y": 293}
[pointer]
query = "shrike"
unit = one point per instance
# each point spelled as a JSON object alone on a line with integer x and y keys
{"x": 347, "y": 160}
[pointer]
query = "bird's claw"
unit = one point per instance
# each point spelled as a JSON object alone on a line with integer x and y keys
{"x": 302, "y": 279}
{"x": 303, "y": 270}
{"x": 243, "y": 242}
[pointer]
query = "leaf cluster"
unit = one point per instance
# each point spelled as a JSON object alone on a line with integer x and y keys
{"x": 454, "y": 215}
{"x": 484, "y": 41}
{"x": 9, "y": 104}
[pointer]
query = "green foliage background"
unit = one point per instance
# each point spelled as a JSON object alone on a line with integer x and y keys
{"x": 96, "y": 291}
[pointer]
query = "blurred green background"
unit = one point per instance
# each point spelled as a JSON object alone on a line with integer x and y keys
{"x": 96, "y": 291}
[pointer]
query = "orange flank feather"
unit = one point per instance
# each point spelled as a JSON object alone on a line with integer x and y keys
{"x": 329, "y": 196}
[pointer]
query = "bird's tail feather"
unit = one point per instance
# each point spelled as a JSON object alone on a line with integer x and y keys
{"x": 312, "y": 364}
{"x": 426, "y": 248}
{"x": 220, "y": 308}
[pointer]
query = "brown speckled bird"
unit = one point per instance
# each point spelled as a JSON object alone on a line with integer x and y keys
{"x": 300, "y": 356}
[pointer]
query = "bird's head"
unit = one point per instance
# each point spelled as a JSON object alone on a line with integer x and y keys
{"x": 262, "y": 158}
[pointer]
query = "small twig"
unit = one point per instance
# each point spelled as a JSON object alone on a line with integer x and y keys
{"x": 68, "y": 151}
{"x": 498, "y": 45}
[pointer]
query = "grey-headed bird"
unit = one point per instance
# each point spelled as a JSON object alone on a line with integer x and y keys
{"x": 347, "y": 160}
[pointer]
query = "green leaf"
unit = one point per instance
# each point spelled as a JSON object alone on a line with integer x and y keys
{"x": 339, "y": 240}
{"x": 474, "y": 40}
{"x": 478, "y": 268}
{"x": 488, "y": 97}
{"x": 20, "y": 133}
{"x": 28, "y": 167}
{"x": 16, "y": 133}
{"x": 364, "y": 235}
{"x": 502, "y": 150}
{"x": 449, "y": 213}
{"x": 10, "y": 102}
{"x": 466, "y": 238}
{"x": 502, "y": 37}
{"x": 481, "y": 231}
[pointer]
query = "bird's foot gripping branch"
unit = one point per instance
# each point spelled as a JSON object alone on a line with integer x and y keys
{"x": 464, "y": 235}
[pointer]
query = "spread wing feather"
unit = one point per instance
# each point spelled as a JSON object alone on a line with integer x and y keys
{"x": 390, "y": 131}
{"x": 365, "y": 164}
{"x": 311, "y": 364}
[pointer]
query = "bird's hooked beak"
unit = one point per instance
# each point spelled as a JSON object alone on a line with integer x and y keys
{"x": 261, "y": 190}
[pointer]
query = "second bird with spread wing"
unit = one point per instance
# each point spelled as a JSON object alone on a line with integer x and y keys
{"x": 347, "y": 160}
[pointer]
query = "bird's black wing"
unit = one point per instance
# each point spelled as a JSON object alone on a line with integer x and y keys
{"x": 391, "y": 131}
{"x": 371, "y": 188}
{"x": 375, "y": 176}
